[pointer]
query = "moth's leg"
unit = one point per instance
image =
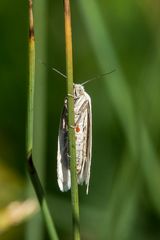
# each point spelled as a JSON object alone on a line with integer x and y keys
{"x": 75, "y": 98}
{"x": 68, "y": 155}
{"x": 71, "y": 126}
{"x": 70, "y": 95}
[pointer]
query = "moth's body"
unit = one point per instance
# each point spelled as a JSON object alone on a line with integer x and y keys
{"x": 83, "y": 136}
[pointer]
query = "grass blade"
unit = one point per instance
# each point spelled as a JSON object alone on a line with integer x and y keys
{"x": 29, "y": 145}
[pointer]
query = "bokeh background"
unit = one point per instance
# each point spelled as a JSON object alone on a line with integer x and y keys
{"x": 124, "y": 196}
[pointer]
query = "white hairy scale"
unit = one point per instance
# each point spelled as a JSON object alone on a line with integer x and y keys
{"x": 83, "y": 135}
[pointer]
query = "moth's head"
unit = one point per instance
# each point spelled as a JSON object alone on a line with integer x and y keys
{"x": 78, "y": 90}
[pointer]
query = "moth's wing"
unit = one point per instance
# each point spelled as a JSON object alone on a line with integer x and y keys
{"x": 63, "y": 171}
{"x": 87, "y": 147}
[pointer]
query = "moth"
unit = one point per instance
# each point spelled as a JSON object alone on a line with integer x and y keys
{"x": 83, "y": 135}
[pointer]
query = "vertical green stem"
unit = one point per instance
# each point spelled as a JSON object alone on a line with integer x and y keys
{"x": 31, "y": 81}
{"x": 29, "y": 145}
{"x": 71, "y": 133}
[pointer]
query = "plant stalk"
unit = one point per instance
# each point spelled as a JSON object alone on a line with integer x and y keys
{"x": 71, "y": 131}
{"x": 29, "y": 142}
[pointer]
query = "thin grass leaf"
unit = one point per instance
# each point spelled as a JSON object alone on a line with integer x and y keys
{"x": 30, "y": 130}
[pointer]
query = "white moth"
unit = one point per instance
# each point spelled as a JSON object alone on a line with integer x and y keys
{"x": 83, "y": 135}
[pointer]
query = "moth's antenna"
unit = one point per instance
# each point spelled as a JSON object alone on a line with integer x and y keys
{"x": 98, "y": 77}
{"x": 57, "y": 71}
{"x": 54, "y": 69}
{"x": 89, "y": 80}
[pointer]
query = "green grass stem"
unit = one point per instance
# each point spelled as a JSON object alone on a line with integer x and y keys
{"x": 29, "y": 145}
{"x": 71, "y": 133}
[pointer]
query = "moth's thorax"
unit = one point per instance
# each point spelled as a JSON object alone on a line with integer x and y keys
{"x": 78, "y": 90}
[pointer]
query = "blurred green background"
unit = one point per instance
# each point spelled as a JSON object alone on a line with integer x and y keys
{"x": 124, "y": 196}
